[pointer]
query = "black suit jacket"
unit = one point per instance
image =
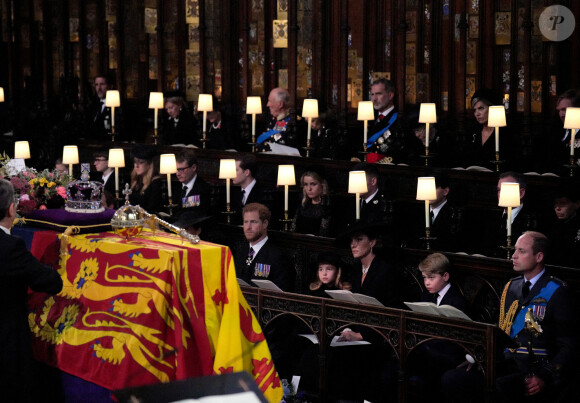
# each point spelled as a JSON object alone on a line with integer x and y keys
{"x": 557, "y": 320}
{"x": 495, "y": 232}
{"x": 200, "y": 188}
{"x": 449, "y": 229}
{"x": 383, "y": 281}
{"x": 452, "y": 297}
{"x": 19, "y": 270}
{"x": 280, "y": 273}
{"x": 255, "y": 196}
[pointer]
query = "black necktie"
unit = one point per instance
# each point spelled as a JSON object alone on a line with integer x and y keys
{"x": 435, "y": 297}
{"x": 242, "y": 193}
{"x": 184, "y": 192}
{"x": 526, "y": 288}
{"x": 431, "y": 216}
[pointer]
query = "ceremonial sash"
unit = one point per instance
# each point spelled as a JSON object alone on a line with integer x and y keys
{"x": 266, "y": 135}
{"x": 262, "y": 137}
{"x": 545, "y": 293}
{"x": 375, "y": 136}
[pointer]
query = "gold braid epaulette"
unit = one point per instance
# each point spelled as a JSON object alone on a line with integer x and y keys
{"x": 506, "y": 321}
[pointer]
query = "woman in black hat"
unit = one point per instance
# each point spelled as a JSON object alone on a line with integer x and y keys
{"x": 480, "y": 140}
{"x": 146, "y": 183}
{"x": 328, "y": 275}
{"x": 313, "y": 215}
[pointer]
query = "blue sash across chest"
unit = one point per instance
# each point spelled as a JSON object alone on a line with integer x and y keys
{"x": 266, "y": 135}
{"x": 375, "y": 136}
{"x": 545, "y": 294}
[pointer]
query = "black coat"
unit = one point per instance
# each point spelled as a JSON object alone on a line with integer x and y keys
{"x": 255, "y": 196}
{"x": 151, "y": 199}
{"x": 280, "y": 273}
{"x": 19, "y": 270}
{"x": 383, "y": 281}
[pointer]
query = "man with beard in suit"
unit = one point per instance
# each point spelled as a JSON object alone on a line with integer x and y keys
{"x": 260, "y": 258}
{"x": 387, "y": 136}
{"x": 19, "y": 377}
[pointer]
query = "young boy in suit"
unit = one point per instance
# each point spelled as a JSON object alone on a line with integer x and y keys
{"x": 438, "y": 288}
{"x": 429, "y": 361}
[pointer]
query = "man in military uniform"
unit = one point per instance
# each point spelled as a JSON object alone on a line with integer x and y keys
{"x": 277, "y": 130}
{"x": 537, "y": 300}
{"x": 387, "y": 137}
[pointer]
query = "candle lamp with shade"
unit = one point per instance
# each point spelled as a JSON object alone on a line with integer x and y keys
{"x": 70, "y": 156}
{"x": 112, "y": 100}
{"x": 21, "y": 149}
{"x": 253, "y": 107}
{"x": 572, "y": 122}
{"x": 205, "y": 105}
{"x": 155, "y": 103}
{"x": 496, "y": 119}
{"x": 427, "y": 191}
{"x": 286, "y": 177}
{"x": 309, "y": 111}
{"x": 365, "y": 113}
{"x": 427, "y": 115}
{"x": 168, "y": 166}
{"x": 227, "y": 172}
{"x": 116, "y": 160}
{"x": 357, "y": 184}
{"x": 509, "y": 197}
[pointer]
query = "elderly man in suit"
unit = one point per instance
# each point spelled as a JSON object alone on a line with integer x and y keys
{"x": 260, "y": 258}
{"x": 19, "y": 271}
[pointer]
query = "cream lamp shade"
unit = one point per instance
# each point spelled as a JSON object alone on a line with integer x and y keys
{"x": 496, "y": 116}
{"x": 116, "y": 158}
{"x": 509, "y": 194}
{"x": 155, "y": 100}
{"x": 427, "y": 113}
{"x": 357, "y": 182}
{"x": 205, "y": 103}
{"x": 366, "y": 111}
{"x": 253, "y": 105}
{"x": 426, "y": 189}
{"x": 572, "y": 119}
{"x": 70, "y": 155}
{"x": 112, "y": 98}
{"x": 227, "y": 169}
{"x": 286, "y": 175}
{"x": 167, "y": 164}
{"x": 1, "y": 94}
{"x": 310, "y": 108}
{"x": 21, "y": 149}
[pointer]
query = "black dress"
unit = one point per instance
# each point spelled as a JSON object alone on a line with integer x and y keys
{"x": 181, "y": 131}
{"x": 312, "y": 219}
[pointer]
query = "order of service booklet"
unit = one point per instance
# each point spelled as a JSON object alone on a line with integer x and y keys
{"x": 345, "y": 295}
{"x": 438, "y": 310}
